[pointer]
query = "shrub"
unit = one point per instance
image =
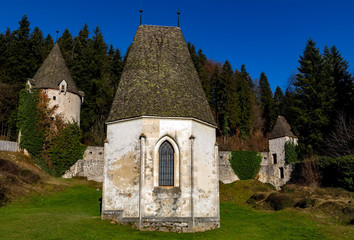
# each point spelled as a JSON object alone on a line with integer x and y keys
{"x": 290, "y": 152}
{"x": 337, "y": 172}
{"x": 65, "y": 149}
{"x": 279, "y": 201}
{"x": 246, "y": 164}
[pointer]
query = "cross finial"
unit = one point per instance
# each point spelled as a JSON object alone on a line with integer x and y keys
{"x": 141, "y": 15}
{"x": 178, "y": 13}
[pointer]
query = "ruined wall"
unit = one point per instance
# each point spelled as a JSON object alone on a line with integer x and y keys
{"x": 226, "y": 173}
{"x": 274, "y": 169}
{"x": 133, "y": 145}
{"x": 91, "y": 166}
{"x": 69, "y": 104}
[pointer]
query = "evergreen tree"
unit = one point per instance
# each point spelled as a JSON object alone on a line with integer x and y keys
{"x": 18, "y": 66}
{"x": 266, "y": 98}
{"x": 313, "y": 98}
{"x": 229, "y": 117}
{"x": 246, "y": 100}
{"x": 278, "y": 102}
{"x": 219, "y": 95}
{"x": 337, "y": 69}
{"x": 66, "y": 47}
{"x": 48, "y": 46}
{"x": 36, "y": 43}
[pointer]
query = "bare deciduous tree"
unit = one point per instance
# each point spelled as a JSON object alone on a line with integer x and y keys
{"x": 340, "y": 141}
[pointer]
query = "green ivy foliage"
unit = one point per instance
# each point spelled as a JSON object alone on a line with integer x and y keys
{"x": 246, "y": 164}
{"x": 290, "y": 152}
{"x": 32, "y": 138}
{"x": 65, "y": 149}
{"x": 55, "y": 146}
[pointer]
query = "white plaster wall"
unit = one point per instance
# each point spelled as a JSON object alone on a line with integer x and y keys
{"x": 121, "y": 183}
{"x": 121, "y": 167}
{"x": 206, "y": 174}
{"x": 69, "y": 104}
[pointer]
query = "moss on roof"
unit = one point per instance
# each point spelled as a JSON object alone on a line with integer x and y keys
{"x": 159, "y": 79}
{"x": 281, "y": 129}
{"x": 53, "y": 71}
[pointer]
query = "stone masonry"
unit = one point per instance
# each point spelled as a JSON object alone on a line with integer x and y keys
{"x": 90, "y": 167}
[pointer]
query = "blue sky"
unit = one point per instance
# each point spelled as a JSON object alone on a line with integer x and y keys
{"x": 265, "y": 35}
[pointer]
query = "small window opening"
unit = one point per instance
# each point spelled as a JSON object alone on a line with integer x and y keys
{"x": 54, "y": 98}
{"x": 100, "y": 153}
{"x": 275, "y": 161}
{"x": 166, "y": 164}
{"x": 62, "y": 88}
{"x": 90, "y": 153}
{"x": 281, "y": 172}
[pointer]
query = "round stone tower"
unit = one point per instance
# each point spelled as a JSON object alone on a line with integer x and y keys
{"x": 54, "y": 78}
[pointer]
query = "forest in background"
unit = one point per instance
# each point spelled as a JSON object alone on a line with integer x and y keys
{"x": 318, "y": 102}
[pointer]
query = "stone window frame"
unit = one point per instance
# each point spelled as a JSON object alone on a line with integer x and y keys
{"x": 176, "y": 158}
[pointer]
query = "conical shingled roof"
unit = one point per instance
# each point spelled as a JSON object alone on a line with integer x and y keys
{"x": 159, "y": 79}
{"x": 281, "y": 129}
{"x": 53, "y": 71}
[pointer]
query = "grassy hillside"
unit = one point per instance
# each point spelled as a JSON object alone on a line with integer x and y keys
{"x": 71, "y": 211}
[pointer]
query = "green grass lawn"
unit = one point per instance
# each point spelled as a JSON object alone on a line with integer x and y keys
{"x": 74, "y": 214}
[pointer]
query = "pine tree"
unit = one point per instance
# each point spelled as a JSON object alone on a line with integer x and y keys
{"x": 313, "y": 98}
{"x": 48, "y": 46}
{"x": 219, "y": 95}
{"x": 230, "y": 111}
{"x": 278, "y": 102}
{"x": 337, "y": 69}
{"x": 66, "y": 47}
{"x": 246, "y": 99}
{"x": 36, "y": 43}
{"x": 18, "y": 64}
{"x": 266, "y": 98}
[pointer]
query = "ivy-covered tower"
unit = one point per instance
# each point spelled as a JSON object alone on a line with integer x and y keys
{"x": 54, "y": 78}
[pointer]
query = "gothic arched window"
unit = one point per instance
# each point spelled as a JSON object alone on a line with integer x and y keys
{"x": 166, "y": 164}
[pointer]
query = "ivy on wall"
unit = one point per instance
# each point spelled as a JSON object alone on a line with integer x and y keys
{"x": 53, "y": 144}
{"x": 290, "y": 152}
{"x": 32, "y": 138}
{"x": 246, "y": 164}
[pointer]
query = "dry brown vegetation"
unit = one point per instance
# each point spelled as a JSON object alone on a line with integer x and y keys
{"x": 19, "y": 178}
{"x": 329, "y": 205}
{"x": 255, "y": 142}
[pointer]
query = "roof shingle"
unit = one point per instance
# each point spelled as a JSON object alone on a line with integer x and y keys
{"x": 53, "y": 71}
{"x": 281, "y": 129}
{"x": 159, "y": 79}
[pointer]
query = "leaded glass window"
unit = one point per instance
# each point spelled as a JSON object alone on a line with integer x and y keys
{"x": 166, "y": 164}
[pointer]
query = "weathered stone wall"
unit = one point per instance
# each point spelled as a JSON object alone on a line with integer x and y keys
{"x": 129, "y": 196}
{"x": 90, "y": 167}
{"x": 69, "y": 104}
{"x": 274, "y": 169}
{"x": 226, "y": 173}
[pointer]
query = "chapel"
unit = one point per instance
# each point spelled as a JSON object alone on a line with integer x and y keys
{"x": 160, "y": 159}
{"x": 53, "y": 77}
